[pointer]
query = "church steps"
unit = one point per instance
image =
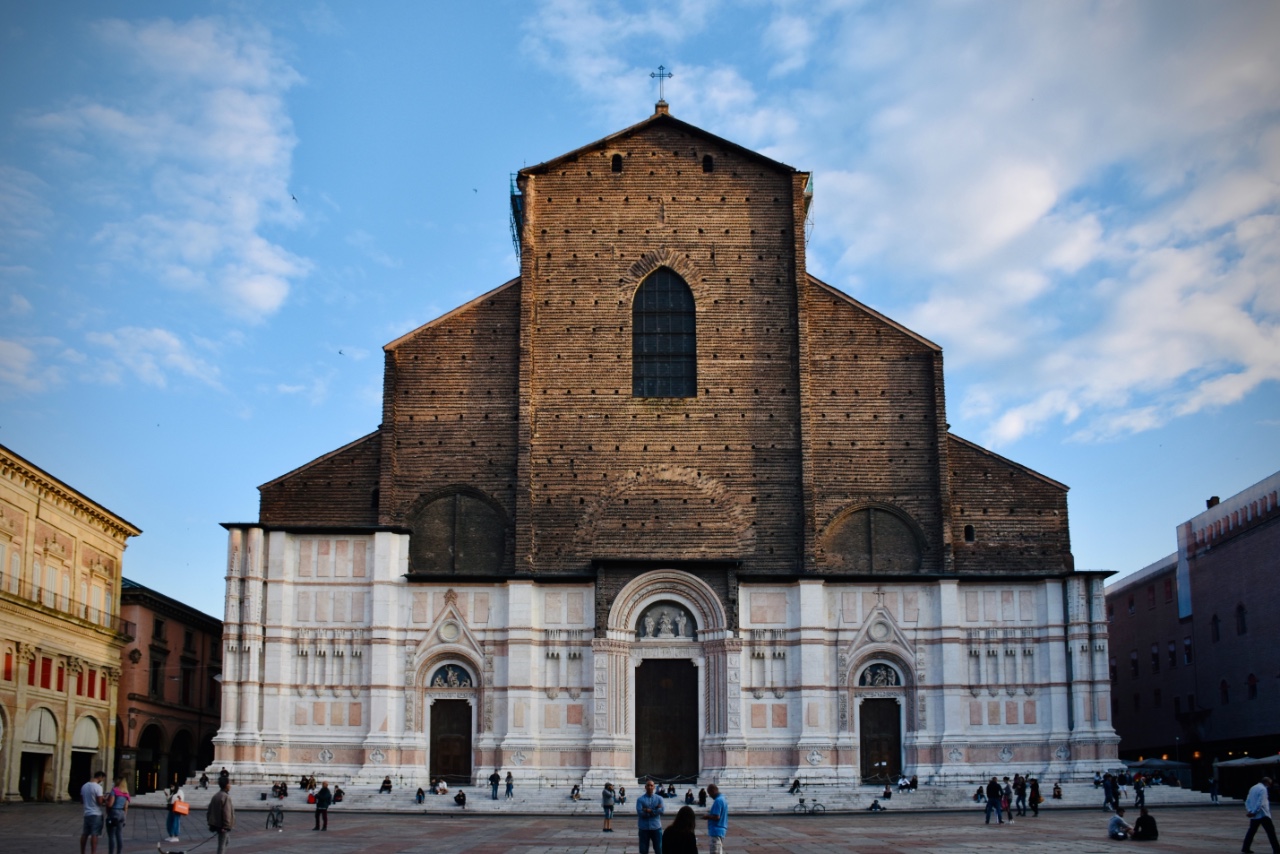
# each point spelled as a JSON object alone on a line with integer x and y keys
{"x": 742, "y": 801}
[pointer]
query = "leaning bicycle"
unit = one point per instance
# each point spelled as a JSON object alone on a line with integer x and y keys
{"x": 275, "y": 817}
{"x": 809, "y": 807}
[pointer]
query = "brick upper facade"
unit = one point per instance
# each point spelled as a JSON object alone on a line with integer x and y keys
{"x": 816, "y": 443}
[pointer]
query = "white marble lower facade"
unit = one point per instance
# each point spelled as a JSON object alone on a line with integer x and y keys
{"x": 335, "y": 664}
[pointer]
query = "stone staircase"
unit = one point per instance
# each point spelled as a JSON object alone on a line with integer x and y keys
{"x": 760, "y": 800}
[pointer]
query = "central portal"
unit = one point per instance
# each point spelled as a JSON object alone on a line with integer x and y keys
{"x": 881, "y": 741}
{"x": 667, "y": 720}
{"x": 451, "y": 741}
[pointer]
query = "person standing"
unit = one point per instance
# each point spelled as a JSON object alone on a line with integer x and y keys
{"x": 221, "y": 815}
{"x": 1020, "y": 794}
{"x": 1258, "y": 807}
{"x": 682, "y": 836}
{"x": 511, "y": 786}
{"x": 324, "y": 798}
{"x": 1108, "y": 792}
{"x": 1035, "y": 797}
{"x": 607, "y": 801}
{"x": 173, "y": 820}
{"x": 1139, "y": 792}
{"x": 117, "y": 805}
{"x": 717, "y": 819}
{"x": 1213, "y": 789}
{"x": 649, "y": 811}
{"x": 91, "y": 797}
{"x": 993, "y": 801}
{"x": 495, "y": 779}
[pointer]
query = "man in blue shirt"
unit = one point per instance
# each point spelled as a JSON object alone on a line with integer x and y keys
{"x": 649, "y": 810}
{"x": 717, "y": 819}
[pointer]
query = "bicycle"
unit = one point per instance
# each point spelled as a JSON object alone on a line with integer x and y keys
{"x": 275, "y": 817}
{"x": 812, "y": 808}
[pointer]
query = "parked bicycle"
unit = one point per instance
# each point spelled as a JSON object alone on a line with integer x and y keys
{"x": 275, "y": 817}
{"x": 810, "y": 807}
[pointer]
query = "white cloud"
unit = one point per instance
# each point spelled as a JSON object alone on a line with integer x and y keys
{"x": 195, "y": 168}
{"x": 368, "y": 246}
{"x": 154, "y": 356}
{"x": 21, "y": 371}
{"x": 1079, "y": 202}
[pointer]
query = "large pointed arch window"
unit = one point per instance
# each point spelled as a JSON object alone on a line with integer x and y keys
{"x": 664, "y": 356}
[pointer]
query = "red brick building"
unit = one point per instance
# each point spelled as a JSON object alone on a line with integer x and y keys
{"x": 170, "y": 692}
{"x": 1195, "y": 645}
{"x": 663, "y": 504}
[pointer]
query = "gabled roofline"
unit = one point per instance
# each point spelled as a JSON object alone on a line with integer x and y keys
{"x": 834, "y": 291}
{"x": 664, "y": 117}
{"x": 448, "y": 314}
{"x": 320, "y": 459}
{"x": 1017, "y": 465}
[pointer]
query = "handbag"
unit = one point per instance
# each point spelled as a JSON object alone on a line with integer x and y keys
{"x": 311, "y": 799}
{"x": 181, "y": 807}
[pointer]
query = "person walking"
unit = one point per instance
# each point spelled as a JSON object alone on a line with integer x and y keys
{"x": 173, "y": 821}
{"x": 1035, "y": 797}
{"x": 649, "y": 811}
{"x": 993, "y": 801}
{"x": 1139, "y": 792}
{"x": 1258, "y": 807}
{"x": 117, "y": 805}
{"x": 495, "y": 780}
{"x": 511, "y": 786}
{"x": 324, "y": 798}
{"x": 682, "y": 836}
{"x": 1020, "y": 794}
{"x": 607, "y": 802}
{"x": 92, "y": 798}
{"x": 717, "y": 819}
{"x": 1108, "y": 792}
{"x": 221, "y": 814}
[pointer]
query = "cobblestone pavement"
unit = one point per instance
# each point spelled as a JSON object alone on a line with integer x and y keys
{"x": 44, "y": 829}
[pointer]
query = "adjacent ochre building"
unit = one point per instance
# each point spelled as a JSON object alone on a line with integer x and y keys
{"x": 170, "y": 696}
{"x": 664, "y": 504}
{"x": 60, "y": 632}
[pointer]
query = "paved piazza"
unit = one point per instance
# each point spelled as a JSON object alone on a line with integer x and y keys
{"x": 43, "y": 829}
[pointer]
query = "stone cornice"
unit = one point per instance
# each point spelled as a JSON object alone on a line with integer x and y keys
{"x": 14, "y": 467}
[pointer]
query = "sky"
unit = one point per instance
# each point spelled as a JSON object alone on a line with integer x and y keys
{"x": 214, "y": 214}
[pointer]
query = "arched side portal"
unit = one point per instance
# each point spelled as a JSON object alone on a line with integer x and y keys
{"x": 882, "y": 697}
{"x": 449, "y": 686}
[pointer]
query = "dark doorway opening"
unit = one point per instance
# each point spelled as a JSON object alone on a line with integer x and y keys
{"x": 151, "y": 761}
{"x": 81, "y": 770}
{"x": 667, "y": 720}
{"x": 451, "y": 741}
{"x": 31, "y": 776}
{"x": 881, "y": 727}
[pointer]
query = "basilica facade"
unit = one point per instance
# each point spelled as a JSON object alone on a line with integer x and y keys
{"x": 663, "y": 505}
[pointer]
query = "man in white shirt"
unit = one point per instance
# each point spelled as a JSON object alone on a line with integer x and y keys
{"x": 1258, "y": 807}
{"x": 91, "y": 797}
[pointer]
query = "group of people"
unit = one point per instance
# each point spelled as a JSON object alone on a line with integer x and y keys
{"x": 1012, "y": 797}
{"x": 495, "y": 780}
{"x": 680, "y": 837}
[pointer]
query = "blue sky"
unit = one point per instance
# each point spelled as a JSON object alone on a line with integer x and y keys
{"x": 1079, "y": 201}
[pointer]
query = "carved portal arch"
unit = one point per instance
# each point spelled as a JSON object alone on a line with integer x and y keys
{"x": 462, "y": 662}
{"x": 861, "y": 679}
{"x": 682, "y": 588}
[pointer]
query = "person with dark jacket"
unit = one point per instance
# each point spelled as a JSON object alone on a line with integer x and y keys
{"x": 324, "y": 798}
{"x": 221, "y": 815}
{"x": 994, "y": 796}
{"x": 681, "y": 837}
{"x": 1144, "y": 829}
{"x": 495, "y": 780}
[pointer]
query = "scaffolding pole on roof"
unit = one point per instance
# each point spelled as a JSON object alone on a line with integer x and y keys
{"x": 517, "y": 214}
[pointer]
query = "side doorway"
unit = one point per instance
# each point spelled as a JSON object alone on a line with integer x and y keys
{"x": 451, "y": 741}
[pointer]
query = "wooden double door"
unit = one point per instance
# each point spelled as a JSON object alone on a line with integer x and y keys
{"x": 451, "y": 741}
{"x": 880, "y": 727}
{"x": 667, "y": 719}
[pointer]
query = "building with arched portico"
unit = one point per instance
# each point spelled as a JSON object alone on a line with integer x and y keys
{"x": 668, "y": 505}
{"x": 60, "y": 633}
